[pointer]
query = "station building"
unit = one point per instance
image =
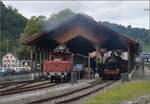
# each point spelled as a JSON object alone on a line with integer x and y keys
{"x": 81, "y": 34}
{"x": 9, "y": 61}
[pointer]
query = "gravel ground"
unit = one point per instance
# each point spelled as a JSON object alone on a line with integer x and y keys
{"x": 77, "y": 94}
{"x": 82, "y": 100}
{"x": 147, "y": 71}
{"x": 25, "y": 97}
{"x": 140, "y": 100}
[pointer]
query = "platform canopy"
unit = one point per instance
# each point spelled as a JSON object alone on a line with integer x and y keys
{"x": 82, "y": 34}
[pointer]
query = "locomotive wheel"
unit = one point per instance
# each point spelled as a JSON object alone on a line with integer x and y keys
{"x": 52, "y": 80}
{"x": 68, "y": 77}
{"x": 104, "y": 77}
{"x": 115, "y": 77}
{"x": 65, "y": 79}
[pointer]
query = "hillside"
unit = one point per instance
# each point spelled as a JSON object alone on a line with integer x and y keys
{"x": 140, "y": 34}
{"x": 12, "y": 25}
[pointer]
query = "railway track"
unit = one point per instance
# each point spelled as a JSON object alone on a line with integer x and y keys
{"x": 15, "y": 86}
{"x": 27, "y": 88}
{"x": 3, "y": 85}
{"x": 25, "y": 85}
{"x": 34, "y": 85}
{"x": 73, "y": 95}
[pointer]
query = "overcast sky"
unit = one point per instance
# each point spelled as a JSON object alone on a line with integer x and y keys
{"x": 135, "y": 13}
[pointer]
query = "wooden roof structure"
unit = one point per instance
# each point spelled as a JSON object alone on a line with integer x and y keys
{"x": 81, "y": 33}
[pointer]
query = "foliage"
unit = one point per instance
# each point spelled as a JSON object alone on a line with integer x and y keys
{"x": 147, "y": 65}
{"x": 12, "y": 24}
{"x": 34, "y": 25}
{"x": 15, "y": 27}
{"x": 121, "y": 92}
{"x": 146, "y": 47}
{"x": 23, "y": 52}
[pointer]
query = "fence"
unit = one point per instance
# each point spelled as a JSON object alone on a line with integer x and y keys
{"x": 20, "y": 77}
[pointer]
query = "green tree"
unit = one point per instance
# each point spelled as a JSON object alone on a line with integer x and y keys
{"x": 12, "y": 24}
{"x": 23, "y": 52}
{"x": 34, "y": 25}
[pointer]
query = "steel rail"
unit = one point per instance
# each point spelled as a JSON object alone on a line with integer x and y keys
{"x": 39, "y": 101}
{"x": 4, "y": 93}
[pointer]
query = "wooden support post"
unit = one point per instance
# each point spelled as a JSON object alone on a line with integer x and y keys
{"x": 97, "y": 57}
{"x": 36, "y": 57}
{"x": 31, "y": 58}
{"x": 44, "y": 58}
{"x": 89, "y": 69}
{"x": 143, "y": 64}
{"x": 128, "y": 57}
{"x": 131, "y": 60}
{"x": 48, "y": 55}
{"x": 40, "y": 60}
{"x": 131, "y": 57}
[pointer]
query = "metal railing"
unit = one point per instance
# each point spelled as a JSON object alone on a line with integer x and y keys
{"x": 20, "y": 77}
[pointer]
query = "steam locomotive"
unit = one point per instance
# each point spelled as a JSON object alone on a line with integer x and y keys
{"x": 113, "y": 67}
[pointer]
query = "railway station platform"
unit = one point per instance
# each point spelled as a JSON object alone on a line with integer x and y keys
{"x": 142, "y": 74}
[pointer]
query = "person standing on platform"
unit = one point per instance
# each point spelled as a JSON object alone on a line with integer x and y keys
{"x": 100, "y": 60}
{"x": 100, "y": 66}
{"x": 93, "y": 65}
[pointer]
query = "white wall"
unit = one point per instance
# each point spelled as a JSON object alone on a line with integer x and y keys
{"x": 9, "y": 60}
